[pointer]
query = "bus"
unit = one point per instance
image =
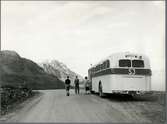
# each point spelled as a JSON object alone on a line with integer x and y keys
{"x": 123, "y": 73}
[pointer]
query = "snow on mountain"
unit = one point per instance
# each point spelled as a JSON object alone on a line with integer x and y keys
{"x": 60, "y": 70}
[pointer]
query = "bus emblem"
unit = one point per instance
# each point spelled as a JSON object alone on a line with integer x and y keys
{"x": 131, "y": 71}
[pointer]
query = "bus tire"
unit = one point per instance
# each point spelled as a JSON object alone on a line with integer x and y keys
{"x": 92, "y": 92}
{"x": 101, "y": 94}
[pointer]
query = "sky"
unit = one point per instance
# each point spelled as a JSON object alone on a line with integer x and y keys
{"x": 81, "y": 33}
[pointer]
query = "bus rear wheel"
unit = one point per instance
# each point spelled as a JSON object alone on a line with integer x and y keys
{"x": 92, "y": 92}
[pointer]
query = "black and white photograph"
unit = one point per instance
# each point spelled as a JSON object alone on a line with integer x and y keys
{"x": 82, "y": 62}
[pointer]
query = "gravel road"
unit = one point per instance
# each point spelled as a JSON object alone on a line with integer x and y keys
{"x": 55, "y": 106}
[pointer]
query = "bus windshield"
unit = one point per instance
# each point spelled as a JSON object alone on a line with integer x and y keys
{"x": 124, "y": 63}
{"x": 137, "y": 63}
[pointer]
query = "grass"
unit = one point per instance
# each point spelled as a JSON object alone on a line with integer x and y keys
{"x": 12, "y": 95}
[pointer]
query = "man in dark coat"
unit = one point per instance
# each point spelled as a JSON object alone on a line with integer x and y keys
{"x": 67, "y": 85}
{"x": 76, "y": 82}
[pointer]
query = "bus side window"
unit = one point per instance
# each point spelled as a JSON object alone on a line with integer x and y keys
{"x": 102, "y": 66}
{"x": 96, "y": 69}
{"x": 108, "y": 64}
{"x": 99, "y": 68}
{"x": 105, "y": 65}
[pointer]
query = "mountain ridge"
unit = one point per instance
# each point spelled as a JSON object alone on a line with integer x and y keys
{"x": 15, "y": 70}
{"x": 59, "y": 69}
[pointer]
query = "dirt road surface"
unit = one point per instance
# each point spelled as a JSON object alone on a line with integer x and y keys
{"x": 55, "y": 106}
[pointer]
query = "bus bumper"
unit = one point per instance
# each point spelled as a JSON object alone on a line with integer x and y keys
{"x": 133, "y": 92}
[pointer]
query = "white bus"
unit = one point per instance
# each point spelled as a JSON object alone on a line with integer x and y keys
{"x": 124, "y": 73}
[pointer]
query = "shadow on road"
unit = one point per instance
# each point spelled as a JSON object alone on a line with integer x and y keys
{"x": 129, "y": 98}
{"x": 122, "y": 98}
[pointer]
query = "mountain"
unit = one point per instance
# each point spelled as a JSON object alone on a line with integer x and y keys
{"x": 60, "y": 70}
{"x": 15, "y": 70}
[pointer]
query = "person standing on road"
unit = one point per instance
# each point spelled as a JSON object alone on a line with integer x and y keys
{"x": 76, "y": 82}
{"x": 67, "y": 85}
{"x": 87, "y": 85}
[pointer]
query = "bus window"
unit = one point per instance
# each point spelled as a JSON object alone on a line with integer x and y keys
{"x": 93, "y": 69}
{"x": 98, "y": 67}
{"x": 101, "y": 66}
{"x": 137, "y": 63}
{"x": 108, "y": 63}
{"x": 105, "y": 65}
{"x": 124, "y": 63}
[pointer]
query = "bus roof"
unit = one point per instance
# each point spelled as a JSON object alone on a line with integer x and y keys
{"x": 122, "y": 55}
